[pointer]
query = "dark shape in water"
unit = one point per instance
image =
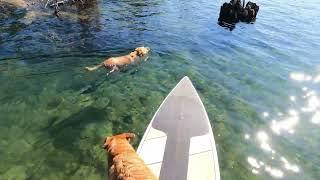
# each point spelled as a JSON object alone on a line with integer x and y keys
{"x": 227, "y": 25}
{"x": 233, "y": 12}
{"x": 92, "y": 86}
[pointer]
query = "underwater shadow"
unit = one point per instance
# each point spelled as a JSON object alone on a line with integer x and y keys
{"x": 65, "y": 132}
{"x": 65, "y": 136}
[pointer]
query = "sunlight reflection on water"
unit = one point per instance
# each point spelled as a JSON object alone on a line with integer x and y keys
{"x": 285, "y": 124}
{"x": 316, "y": 118}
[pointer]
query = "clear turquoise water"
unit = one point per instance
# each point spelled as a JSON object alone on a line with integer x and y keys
{"x": 258, "y": 82}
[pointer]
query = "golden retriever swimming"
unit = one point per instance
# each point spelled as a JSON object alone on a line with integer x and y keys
{"x": 123, "y": 161}
{"x": 114, "y": 63}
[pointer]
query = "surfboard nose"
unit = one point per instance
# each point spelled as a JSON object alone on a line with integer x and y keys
{"x": 186, "y": 78}
{"x": 184, "y": 88}
{"x": 182, "y": 109}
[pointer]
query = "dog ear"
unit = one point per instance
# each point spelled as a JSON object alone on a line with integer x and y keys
{"x": 138, "y": 50}
{"x": 106, "y": 142}
{"x": 129, "y": 136}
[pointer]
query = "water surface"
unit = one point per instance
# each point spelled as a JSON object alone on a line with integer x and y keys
{"x": 259, "y": 84}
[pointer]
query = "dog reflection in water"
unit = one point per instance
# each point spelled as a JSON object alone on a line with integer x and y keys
{"x": 113, "y": 63}
{"x": 124, "y": 163}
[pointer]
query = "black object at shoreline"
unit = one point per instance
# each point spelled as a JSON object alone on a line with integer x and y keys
{"x": 234, "y": 12}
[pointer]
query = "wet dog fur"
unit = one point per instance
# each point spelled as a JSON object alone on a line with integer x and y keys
{"x": 124, "y": 163}
{"x": 113, "y": 63}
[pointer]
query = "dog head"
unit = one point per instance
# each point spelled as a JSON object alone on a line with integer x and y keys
{"x": 115, "y": 143}
{"x": 142, "y": 51}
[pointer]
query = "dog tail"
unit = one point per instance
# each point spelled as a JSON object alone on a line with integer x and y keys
{"x": 94, "y": 67}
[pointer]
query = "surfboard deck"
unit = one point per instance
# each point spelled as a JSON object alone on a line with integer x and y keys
{"x": 178, "y": 143}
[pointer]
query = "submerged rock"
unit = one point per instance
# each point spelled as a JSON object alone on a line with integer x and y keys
{"x": 34, "y": 9}
{"x": 26, "y": 11}
{"x": 17, "y": 3}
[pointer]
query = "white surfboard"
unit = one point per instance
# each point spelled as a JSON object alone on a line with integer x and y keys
{"x": 178, "y": 143}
